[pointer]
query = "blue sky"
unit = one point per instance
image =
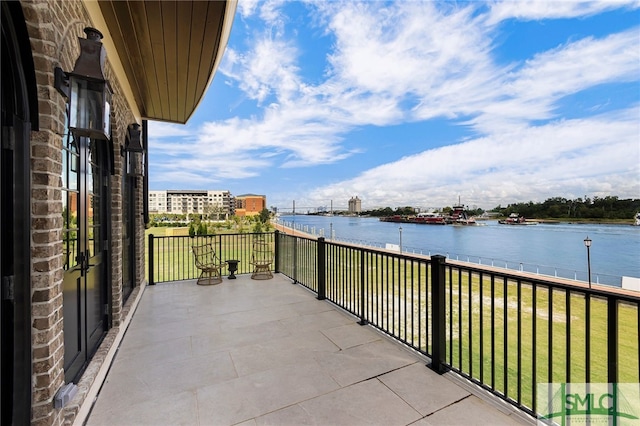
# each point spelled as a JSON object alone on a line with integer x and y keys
{"x": 416, "y": 103}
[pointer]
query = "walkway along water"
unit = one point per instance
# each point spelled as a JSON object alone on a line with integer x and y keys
{"x": 548, "y": 249}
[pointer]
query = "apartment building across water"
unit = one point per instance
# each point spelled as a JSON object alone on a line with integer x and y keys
{"x": 192, "y": 201}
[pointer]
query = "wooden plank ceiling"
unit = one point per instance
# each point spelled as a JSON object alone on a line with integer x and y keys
{"x": 169, "y": 50}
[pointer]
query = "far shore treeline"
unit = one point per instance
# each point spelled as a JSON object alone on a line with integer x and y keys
{"x": 596, "y": 208}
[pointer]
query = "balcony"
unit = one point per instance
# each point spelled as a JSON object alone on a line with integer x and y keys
{"x": 269, "y": 352}
{"x": 342, "y": 335}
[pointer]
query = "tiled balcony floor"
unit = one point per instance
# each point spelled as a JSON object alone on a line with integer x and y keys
{"x": 268, "y": 352}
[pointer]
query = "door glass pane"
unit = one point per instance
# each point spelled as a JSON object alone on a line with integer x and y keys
{"x": 93, "y": 222}
{"x": 91, "y": 241}
{"x": 70, "y": 162}
{"x": 73, "y": 161}
{"x": 70, "y": 228}
{"x": 69, "y": 183}
{"x": 64, "y": 175}
{"x": 94, "y": 185}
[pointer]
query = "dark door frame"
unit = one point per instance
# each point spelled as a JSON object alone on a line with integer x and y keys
{"x": 86, "y": 276}
{"x": 128, "y": 235}
{"x": 19, "y": 117}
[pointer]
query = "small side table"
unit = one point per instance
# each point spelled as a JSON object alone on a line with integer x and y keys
{"x": 233, "y": 267}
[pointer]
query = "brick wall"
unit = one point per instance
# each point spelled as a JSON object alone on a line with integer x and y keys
{"x": 54, "y": 27}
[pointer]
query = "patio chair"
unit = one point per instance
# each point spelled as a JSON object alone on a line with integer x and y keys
{"x": 261, "y": 258}
{"x": 208, "y": 263}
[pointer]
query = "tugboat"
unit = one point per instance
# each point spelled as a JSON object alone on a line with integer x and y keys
{"x": 460, "y": 217}
{"x": 516, "y": 219}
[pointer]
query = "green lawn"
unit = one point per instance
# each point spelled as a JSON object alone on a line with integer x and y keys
{"x": 174, "y": 261}
{"x": 538, "y": 350}
{"x": 556, "y": 352}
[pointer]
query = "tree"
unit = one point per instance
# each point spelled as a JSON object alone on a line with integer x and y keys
{"x": 202, "y": 229}
{"x": 265, "y": 215}
{"x": 192, "y": 231}
{"x": 213, "y": 211}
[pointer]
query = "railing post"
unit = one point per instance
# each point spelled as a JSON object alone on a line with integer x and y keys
{"x": 151, "y": 279}
{"x": 276, "y": 250}
{"x": 363, "y": 312}
{"x": 438, "y": 315}
{"x": 322, "y": 276}
{"x": 295, "y": 259}
{"x": 612, "y": 339}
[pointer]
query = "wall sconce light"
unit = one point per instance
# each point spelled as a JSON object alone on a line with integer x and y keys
{"x": 88, "y": 92}
{"x": 134, "y": 151}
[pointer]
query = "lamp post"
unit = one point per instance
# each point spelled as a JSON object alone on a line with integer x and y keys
{"x": 400, "y": 230}
{"x": 587, "y": 244}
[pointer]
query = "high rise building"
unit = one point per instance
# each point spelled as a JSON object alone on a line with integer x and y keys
{"x": 355, "y": 205}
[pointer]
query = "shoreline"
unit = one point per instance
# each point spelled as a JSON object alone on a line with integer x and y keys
{"x": 494, "y": 269}
{"x": 290, "y": 231}
{"x": 548, "y": 221}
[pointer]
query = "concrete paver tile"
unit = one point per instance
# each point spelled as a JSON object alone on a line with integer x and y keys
{"x": 280, "y": 352}
{"x": 237, "y": 338}
{"x": 251, "y": 396}
{"x": 365, "y": 403}
{"x": 167, "y": 410}
{"x": 350, "y": 335}
{"x": 363, "y": 362}
{"x": 470, "y": 411}
{"x": 317, "y": 321}
{"x": 423, "y": 389}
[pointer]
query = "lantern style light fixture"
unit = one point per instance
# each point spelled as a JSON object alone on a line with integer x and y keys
{"x": 88, "y": 92}
{"x": 134, "y": 151}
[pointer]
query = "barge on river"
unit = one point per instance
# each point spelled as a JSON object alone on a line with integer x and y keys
{"x": 458, "y": 216}
{"x": 420, "y": 218}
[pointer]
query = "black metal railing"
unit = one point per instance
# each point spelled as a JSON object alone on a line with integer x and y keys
{"x": 503, "y": 330}
{"x": 170, "y": 258}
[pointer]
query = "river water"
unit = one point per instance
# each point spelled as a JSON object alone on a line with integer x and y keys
{"x": 549, "y": 249}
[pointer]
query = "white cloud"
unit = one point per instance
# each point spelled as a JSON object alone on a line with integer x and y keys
{"x": 246, "y": 8}
{"x": 159, "y": 129}
{"x": 572, "y": 157}
{"x": 546, "y": 9}
{"x": 414, "y": 61}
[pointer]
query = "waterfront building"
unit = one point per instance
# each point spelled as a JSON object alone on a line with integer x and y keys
{"x": 250, "y": 204}
{"x": 209, "y": 202}
{"x": 80, "y": 79}
{"x": 355, "y": 205}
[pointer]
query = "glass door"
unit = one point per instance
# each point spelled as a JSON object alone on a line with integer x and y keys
{"x": 84, "y": 242}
